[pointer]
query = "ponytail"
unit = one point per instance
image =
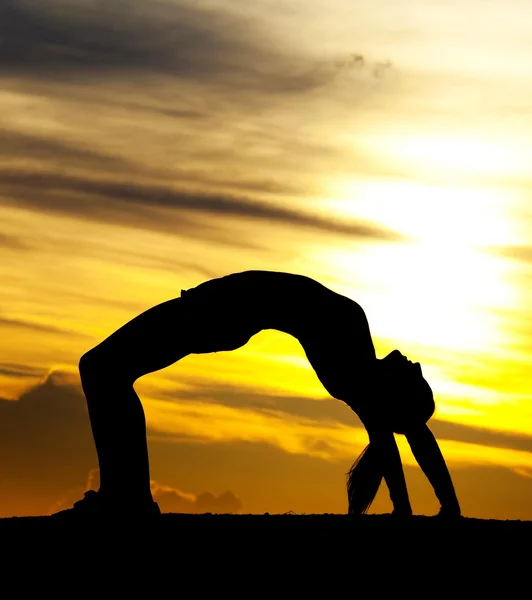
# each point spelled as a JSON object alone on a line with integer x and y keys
{"x": 363, "y": 480}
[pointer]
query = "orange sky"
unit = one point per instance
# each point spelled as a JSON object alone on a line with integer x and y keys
{"x": 145, "y": 151}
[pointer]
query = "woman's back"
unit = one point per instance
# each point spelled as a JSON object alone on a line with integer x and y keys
{"x": 292, "y": 303}
{"x": 271, "y": 299}
{"x": 332, "y": 329}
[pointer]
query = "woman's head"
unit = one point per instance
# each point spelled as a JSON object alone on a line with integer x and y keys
{"x": 405, "y": 397}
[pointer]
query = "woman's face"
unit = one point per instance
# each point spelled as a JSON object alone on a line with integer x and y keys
{"x": 397, "y": 365}
{"x": 406, "y": 396}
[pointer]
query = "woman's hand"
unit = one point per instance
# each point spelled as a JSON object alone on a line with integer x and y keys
{"x": 429, "y": 457}
{"x": 450, "y": 511}
{"x": 403, "y": 511}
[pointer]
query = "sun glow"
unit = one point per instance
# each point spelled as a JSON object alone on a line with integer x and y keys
{"x": 440, "y": 287}
{"x": 458, "y": 153}
{"x": 443, "y": 153}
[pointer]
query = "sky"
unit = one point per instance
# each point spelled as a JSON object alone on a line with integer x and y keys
{"x": 382, "y": 148}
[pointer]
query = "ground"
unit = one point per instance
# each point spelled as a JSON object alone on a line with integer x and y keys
{"x": 291, "y": 554}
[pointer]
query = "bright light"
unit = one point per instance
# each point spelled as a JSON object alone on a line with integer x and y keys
{"x": 451, "y": 153}
{"x": 439, "y": 287}
{"x": 459, "y": 153}
{"x": 447, "y": 215}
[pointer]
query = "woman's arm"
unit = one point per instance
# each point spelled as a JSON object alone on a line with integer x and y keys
{"x": 429, "y": 457}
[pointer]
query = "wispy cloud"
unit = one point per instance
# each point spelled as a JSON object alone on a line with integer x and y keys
{"x": 334, "y": 412}
{"x": 110, "y": 107}
{"x": 324, "y": 410}
{"x": 22, "y": 146}
{"x": 123, "y": 202}
{"x": 56, "y": 39}
{"x": 35, "y": 326}
{"x": 49, "y": 426}
{"x": 477, "y": 435}
{"x": 11, "y": 242}
{"x": 19, "y": 370}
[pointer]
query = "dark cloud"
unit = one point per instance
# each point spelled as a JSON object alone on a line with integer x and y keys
{"x": 94, "y": 59}
{"x": 58, "y": 39}
{"x": 123, "y": 202}
{"x": 173, "y": 500}
{"x": 275, "y": 481}
{"x": 11, "y": 242}
{"x": 50, "y": 153}
{"x": 334, "y": 411}
{"x": 18, "y": 370}
{"x": 46, "y": 447}
{"x": 324, "y": 410}
{"x": 37, "y": 327}
{"x": 226, "y": 502}
{"x": 170, "y": 499}
{"x": 478, "y": 435}
{"x": 47, "y": 454}
{"x": 38, "y": 154}
{"x": 18, "y": 146}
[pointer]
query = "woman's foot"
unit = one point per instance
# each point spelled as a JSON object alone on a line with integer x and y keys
{"x": 94, "y": 505}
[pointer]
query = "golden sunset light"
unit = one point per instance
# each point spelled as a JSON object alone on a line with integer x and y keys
{"x": 381, "y": 148}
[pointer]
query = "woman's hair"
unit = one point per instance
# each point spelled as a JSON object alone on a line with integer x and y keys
{"x": 414, "y": 406}
{"x": 365, "y": 476}
{"x": 363, "y": 481}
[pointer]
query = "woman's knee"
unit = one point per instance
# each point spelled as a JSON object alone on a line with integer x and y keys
{"x": 100, "y": 364}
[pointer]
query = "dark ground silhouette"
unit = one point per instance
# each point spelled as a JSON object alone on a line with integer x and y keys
{"x": 227, "y": 551}
{"x": 288, "y": 522}
{"x": 278, "y": 548}
{"x": 268, "y": 556}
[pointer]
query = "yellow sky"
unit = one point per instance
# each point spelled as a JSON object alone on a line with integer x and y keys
{"x": 381, "y": 148}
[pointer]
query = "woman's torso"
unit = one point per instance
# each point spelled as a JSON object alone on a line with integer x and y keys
{"x": 332, "y": 329}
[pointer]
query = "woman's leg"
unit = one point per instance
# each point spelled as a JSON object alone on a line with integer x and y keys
{"x": 151, "y": 341}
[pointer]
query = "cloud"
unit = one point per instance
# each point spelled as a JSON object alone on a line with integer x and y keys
{"x": 478, "y": 435}
{"x": 38, "y": 153}
{"x": 23, "y": 153}
{"x": 153, "y": 206}
{"x": 163, "y": 93}
{"x": 47, "y": 455}
{"x": 153, "y": 262}
{"x": 46, "y": 446}
{"x": 10, "y": 242}
{"x": 324, "y": 410}
{"x": 19, "y": 370}
{"x": 277, "y": 482}
{"x": 176, "y": 501}
{"x": 34, "y": 326}
{"x": 16, "y": 145}
{"x": 47, "y": 460}
{"x": 170, "y": 499}
{"x": 328, "y": 410}
{"x": 57, "y": 39}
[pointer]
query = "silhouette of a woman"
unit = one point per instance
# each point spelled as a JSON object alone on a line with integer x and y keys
{"x": 389, "y": 395}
